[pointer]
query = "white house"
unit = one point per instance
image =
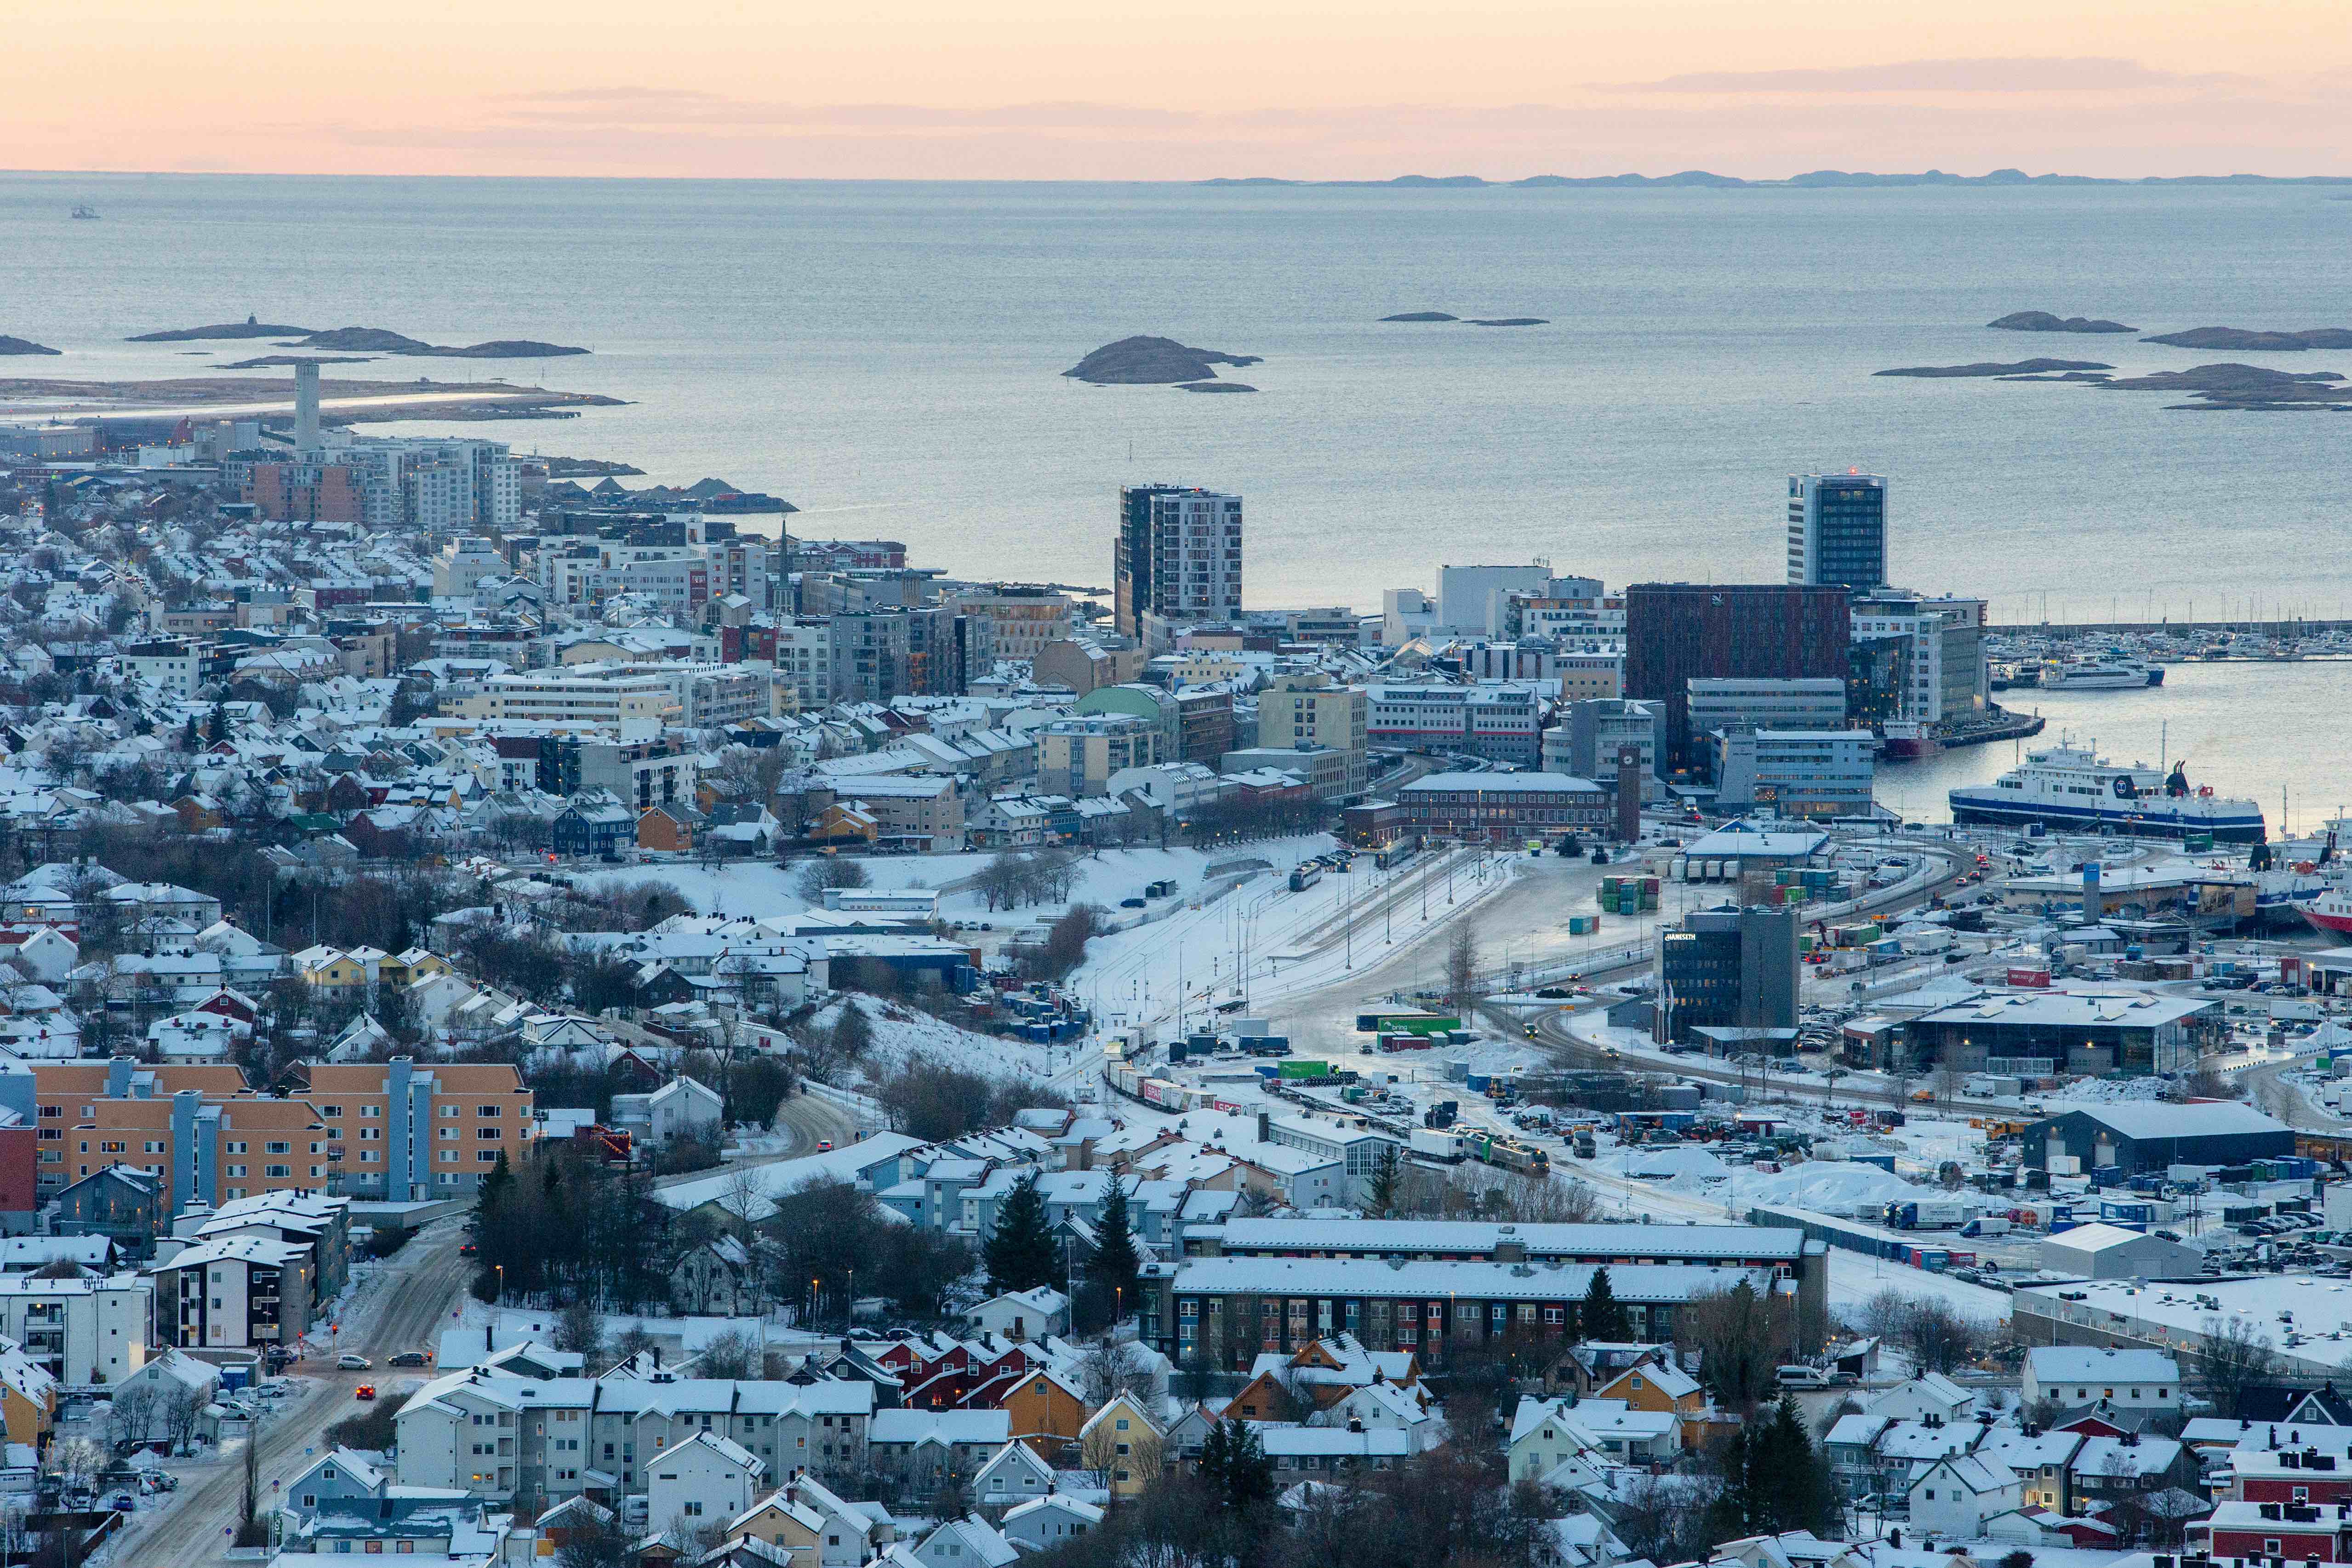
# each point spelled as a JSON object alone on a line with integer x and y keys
{"x": 1021, "y": 1314}
{"x": 1929, "y": 1393}
{"x": 968, "y": 1542}
{"x": 2071, "y": 1376}
{"x": 705, "y": 1479}
{"x": 683, "y": 1108}
{"x": 1954, "y": 1496}
{"x": 1050, "y": 1521}
{"x": 1541, "y": 1438}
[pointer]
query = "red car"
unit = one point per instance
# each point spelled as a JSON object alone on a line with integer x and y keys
{"x": 364, "y": 1391}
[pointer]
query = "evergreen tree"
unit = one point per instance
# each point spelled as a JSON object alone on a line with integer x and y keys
{"x": 216, "y": 725}
{"x": 1116, "y": 1263}
{"x": 1234, "y": 1468}
{"x": 1773, "y": 1480}
{"x": 188, "y": 741}
{"x": 1386, "y": 1174}
{"x": 1602, "y": 1316}
{"x": 1020, "y": 1251}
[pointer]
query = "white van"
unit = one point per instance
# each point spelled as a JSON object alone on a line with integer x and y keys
{"x": 1802, "y": 1377}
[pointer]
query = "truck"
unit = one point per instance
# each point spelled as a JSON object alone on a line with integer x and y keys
{"x": 1932, "y": 1214}
{"x": 1986, "y": 1225}
{"x": 1302, "y": 1069}
{"x": 1586, "y": 1145}
{"x": 1435, "y": 1144}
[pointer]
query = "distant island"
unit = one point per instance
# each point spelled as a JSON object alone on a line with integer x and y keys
{"x": 382, "y": 340}
{"x": 1471, "y": 321}
{"x": 1214, "y": 387}
{"x": 2243, "y": 340}
{"x": 2043, "y": 321}
{"x": 1153, "y": 361}
{"x": 248, "y": 328}
{"x": 1819, "y": 179}
{"x": 2254, "y": 387}
{"x": 356, "y": 339}
{"x": 26, "y": 346}
{"x": 1989, "y": 368}
{"x": 277, "y": 361}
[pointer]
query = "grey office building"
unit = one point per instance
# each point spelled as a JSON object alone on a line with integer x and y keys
{"x": 1728, "y": 968}
{"x": 1837, "y": 530}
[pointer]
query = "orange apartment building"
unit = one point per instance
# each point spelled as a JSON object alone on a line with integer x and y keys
{"x": 67, "y": 1095}
{"x": 403, "y": 1131}
{"x": 208, "y": 1151}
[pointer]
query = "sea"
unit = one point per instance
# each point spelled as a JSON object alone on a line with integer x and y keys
{"x": 888, "y": 357}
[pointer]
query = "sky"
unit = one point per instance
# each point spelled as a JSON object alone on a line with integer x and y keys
{"x": 1149, "y": 89}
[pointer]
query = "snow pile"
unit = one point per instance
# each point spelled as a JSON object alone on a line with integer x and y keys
{"x": 1826, "y": 1186}
{"x": 1672, "y": 1164}
{"x": 2105, "y": 1092}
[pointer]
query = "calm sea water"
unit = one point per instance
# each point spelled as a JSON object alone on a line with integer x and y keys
{"x": 888, "y": 356}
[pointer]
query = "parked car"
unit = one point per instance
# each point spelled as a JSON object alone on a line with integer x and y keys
{"x": 123, "y": 1502}
{"x": 1801, "y": 1377}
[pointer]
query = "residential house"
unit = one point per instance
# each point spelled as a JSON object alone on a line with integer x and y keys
{"x": 1126, "y": 1443}
{"x": 1050, "y": 1521}
{"x": 1021, "y": 1314}
{"x": 1014, "y": 1475}
{"x": 1953, "y": 1496}
{"x": 704, "y": 1477}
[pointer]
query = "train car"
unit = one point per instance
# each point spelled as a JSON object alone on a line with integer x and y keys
{"x": 1397, "y": 851}
{"x": 1304, "y": 877}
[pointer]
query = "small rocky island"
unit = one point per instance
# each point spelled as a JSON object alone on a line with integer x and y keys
{"x": 1990, "y": 369}
{"x": 25, "y": 346}
{"x": 2043, "y": 321}
{"x": 248, "y": 328}
{"x": 382, "y": 340}
{"x": 2241, "y": 340}
{"x": 279, "y": 362}
{"x": 1158, "y": 361}
{"x": 1471, "y": 320}
{"x": 2252, "y": 387}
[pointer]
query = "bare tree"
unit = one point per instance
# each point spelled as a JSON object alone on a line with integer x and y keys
{"x": 2233, "y": 1356}
{"x": 1110, "y": 1368}
{"x": 734, "y": 1355}
{"x": 183, "y": 1415}
{"x": 1462, "y": 969}
{"x": 133, "y": 1416}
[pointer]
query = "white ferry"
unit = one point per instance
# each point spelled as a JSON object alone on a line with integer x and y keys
{"x": 2067, "y": 786}
{"x": 2101, "y": 675}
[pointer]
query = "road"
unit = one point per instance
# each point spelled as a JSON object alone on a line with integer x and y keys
{"x": 803, "y": 1122}
{"x": 424, "y": 1280}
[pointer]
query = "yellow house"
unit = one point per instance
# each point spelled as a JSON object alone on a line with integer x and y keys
{"x": 1124, "y": 1443}
{"x": 28, "y": 1397}
{"x": 330, "y": 969}
{"x": 1661, "y": 1389}
{"x": 405, "y": 968}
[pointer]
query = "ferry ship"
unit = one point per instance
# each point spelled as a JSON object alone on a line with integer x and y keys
{"x": 2070, "y": 787}
{"x": 2103, "y": 675}
{"x": 2330, "y": 912}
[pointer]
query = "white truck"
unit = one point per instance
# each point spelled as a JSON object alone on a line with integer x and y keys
{"x": 1439, "y": 1144}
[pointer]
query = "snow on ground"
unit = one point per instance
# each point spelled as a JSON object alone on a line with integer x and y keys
{"x": 757, "y": 888}
{"x": 2101, "y": 1090}
{"x": 1855, "y": 1277}
{"x": 903, "y": 1033}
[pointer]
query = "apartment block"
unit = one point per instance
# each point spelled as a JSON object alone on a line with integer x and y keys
{"x": 67, "y": 1095}
{"x": 402, "y": 1133}
{"x": 84, "y": 1332}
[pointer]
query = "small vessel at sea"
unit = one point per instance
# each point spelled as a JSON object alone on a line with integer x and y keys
{"x": 85, "y": 211}
{"x": 2101, "y": 675}
{"x": 2074, "y": 786}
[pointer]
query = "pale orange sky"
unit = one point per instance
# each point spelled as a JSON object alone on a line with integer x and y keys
{"x": 1062, "y": 90}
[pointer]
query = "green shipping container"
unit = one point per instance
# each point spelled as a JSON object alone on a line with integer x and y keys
{"x": 1302, "y": 1070}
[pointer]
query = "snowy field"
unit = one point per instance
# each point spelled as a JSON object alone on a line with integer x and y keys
{"x": 760, "y": 888}
{"x": 1855, "y": 1278}
{"x": 902, "y": 1034}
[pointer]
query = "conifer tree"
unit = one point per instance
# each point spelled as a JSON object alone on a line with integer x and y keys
{"x": 1602, "y": 1316}
{"x": 1116, "y": 1262}
{"x": 1020, "y": 1251}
